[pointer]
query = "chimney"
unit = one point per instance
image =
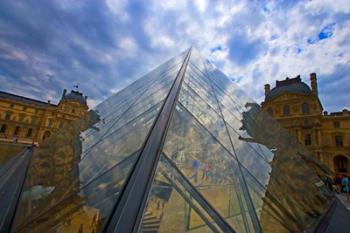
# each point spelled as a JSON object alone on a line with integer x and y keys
{"x": 86, "y": 98}
{"x": 64, "y": 93}
{"x": 49, "y": 101}
{"x": 267, "y": 89}
{"x": 313, "y": 80}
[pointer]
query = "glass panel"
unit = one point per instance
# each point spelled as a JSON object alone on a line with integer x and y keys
{"x": 72, "y": 186}
{"x": 252, "y": 160}
{"x": 154, "y": 84}
{"x": 139, "y": 85}
{"x": 119, "y": 144}
{"x": 204, "y": 114}
{"x": 294, "y": 199}
{"x": 269, "y": 211}
{"x": 58, "y": 170}
{"x": 142, "y": 105}
{"x": 274, "y": 159}
{"x": 172, "y": 208}
{"x": 115, "y": 118}
{"x": 208, "y": 166}
{"x": 61, "y": 172}
{"x": 84, "y": 211}
{"x": 192, "y": 81}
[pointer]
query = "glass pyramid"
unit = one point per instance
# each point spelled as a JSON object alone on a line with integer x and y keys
{"x": 182, "y": 149}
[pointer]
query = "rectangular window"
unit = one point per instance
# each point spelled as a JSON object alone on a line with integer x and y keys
{"x": 49, "y": 123}
{"x": 338, "y": 140}
{"x": 7, "y": 116}
{"x": 308, "y": 139}
{"x": 17, "y": 130}
{"x": 336, "y": 124}
{"x": 3, "y": 129}
{"x": 29, "y": 133}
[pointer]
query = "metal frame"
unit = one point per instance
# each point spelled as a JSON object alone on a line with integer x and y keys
{"x": 128, "y": 211}
{"x": 13, "y": 176}
{"x": 219, "y": 220}
{"x": 244, "y": 186}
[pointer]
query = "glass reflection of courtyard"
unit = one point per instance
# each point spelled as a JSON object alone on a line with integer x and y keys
{"x": 224, "y": 163}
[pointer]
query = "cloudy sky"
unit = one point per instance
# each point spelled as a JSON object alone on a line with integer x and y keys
{"x": 46, "y": 46}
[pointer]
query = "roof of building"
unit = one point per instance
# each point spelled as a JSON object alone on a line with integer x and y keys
{"x": 75, "y": 95}
{"x": 289, "y": 85}
{"x": 23, "y": 99}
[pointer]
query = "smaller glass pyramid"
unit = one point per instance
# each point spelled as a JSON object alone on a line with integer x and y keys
{"x": 182, "y": 149}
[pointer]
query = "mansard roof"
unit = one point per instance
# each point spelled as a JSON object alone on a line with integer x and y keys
{"x": 24, "y": 100}
{"x": 293, "y": 85}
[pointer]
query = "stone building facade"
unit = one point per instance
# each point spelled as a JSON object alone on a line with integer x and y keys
{"x": 298, "y": 108}
{"x": 27, "y": 120}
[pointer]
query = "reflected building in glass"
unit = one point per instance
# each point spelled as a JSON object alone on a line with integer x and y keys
{"x": 182, "y": 149}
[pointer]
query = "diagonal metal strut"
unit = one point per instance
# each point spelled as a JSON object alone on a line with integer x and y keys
{"x": 128, "y": 211}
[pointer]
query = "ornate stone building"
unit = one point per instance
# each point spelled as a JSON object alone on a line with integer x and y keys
{"x": 28, "y": 120}
{"x": 298, "y": 108}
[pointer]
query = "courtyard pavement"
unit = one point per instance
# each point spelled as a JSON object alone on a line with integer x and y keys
{"x": 342, "y": 198}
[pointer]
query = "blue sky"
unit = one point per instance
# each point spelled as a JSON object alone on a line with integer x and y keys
{"x": 46, "y": 46}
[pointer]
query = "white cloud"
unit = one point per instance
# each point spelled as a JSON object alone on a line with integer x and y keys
{"x": 107, "y": 44}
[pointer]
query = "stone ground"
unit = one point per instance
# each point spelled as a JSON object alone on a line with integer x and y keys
{"x": 342, "y": 198}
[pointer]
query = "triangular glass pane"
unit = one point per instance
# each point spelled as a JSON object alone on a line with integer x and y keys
{"x": 208, "y": 165}
{"x": 88, "y": 207}
{"x": 171, "y": 207}
{"x": 192, "y": 79}
{"x": 136, "y": 88}
{"x": 101, "y": 158}
{"x": 205, "y": 114}
{"x": 72, "y": 169}
{"x": 153, "y": 93}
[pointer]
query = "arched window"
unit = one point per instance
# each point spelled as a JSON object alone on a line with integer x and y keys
{"x": 3, "y": 128}
{"x": 270, "y": 111}
{"x": 340, "y": 163}
{"x": 47, "y": 134}
{"x": 29, "y": 133}
{"x": 305, "y": 108}
{"x": 286, "y": 110}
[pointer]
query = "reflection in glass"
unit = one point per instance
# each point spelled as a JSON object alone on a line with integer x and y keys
{"x": 223, "y": 161}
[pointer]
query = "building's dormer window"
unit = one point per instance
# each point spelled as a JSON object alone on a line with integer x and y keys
{"x": 270, "y": 111}
{"x": 338, "y": 140}
{"x": 336, "y": 124}
{"x": 286, "y": 110}
{"x": 308, "y": 139}
{"x": 305, "y": 108}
